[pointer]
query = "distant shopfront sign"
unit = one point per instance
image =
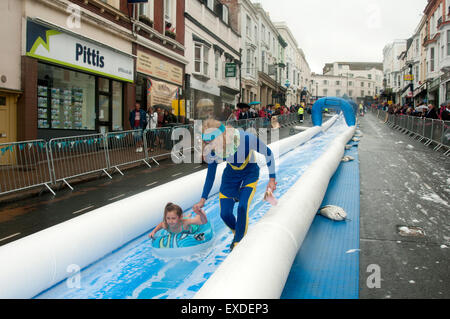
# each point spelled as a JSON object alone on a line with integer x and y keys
{"x": 64, "y": 48}
{"x": 158, "y": 68}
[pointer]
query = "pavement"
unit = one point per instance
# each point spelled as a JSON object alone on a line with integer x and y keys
{"x": 403, "y": 183}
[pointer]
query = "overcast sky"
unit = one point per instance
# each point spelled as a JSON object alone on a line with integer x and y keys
{"x": 346, "y": 30}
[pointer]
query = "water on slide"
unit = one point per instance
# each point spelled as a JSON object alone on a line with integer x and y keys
{"x": 134, "y": 271}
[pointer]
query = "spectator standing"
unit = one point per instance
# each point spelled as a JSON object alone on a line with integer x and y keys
{"x": 300, "y": 113}
{"x": 152, "y": 120}
{"x": 138, "y": 121}
{"x": 252, "y": 113}
{"x": 233, "y": 116}
{"x": 445, "y": 116}
{"x": 160, "y": 116}
{"x": 244, "y": 114}
{"x": 431, "y": 114}
{"x": 262, "y": 112}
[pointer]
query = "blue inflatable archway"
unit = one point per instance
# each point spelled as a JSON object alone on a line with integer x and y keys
{"x": 336, "y": 103}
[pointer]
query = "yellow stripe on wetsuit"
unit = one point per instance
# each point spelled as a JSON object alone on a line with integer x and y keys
{"x": 244, "y": 165}
{"x": 252, "y": 185}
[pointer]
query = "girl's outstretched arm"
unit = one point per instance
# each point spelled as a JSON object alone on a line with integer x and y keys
{"x": 157, "y": 228}
{"x": 200, "y": 219}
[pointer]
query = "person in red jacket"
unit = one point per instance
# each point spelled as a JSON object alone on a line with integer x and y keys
{"x": 262, "y": 112}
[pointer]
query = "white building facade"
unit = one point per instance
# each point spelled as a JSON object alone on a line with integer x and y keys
{"x": 364, "y": 70}
{"x": 271, "y": 60}
{"x": 211, "y": 43}
{"x": 392, "y": 67}
{"x": 358, "y": 89}
{"x": 293, "y": 67}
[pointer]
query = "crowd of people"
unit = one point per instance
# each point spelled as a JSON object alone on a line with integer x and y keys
{"x": 245, "y": 111}
{"x": 154, "y": 117}
{"x": 422, "y": 110}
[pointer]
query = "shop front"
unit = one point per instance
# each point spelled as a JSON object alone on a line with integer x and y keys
{"x": 420, "y": 94}
{"x": 79, "y": 87}
{"x": 159, "y": 83}
{"x": 433, "y": 92}
{"x": 229, "y": 101}
{"x": 445, "y": 87}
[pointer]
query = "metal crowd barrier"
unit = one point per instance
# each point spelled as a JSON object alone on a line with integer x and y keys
{"x": 126, "y": 147}
{"x": 158, "y": 142}
{"x": 24, "y": 165}
{"x": 77, "y": 156}
{"x": 423, "y": 129}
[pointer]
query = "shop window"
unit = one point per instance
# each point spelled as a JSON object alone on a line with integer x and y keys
{"x": 66, "y": 99}
{"x": 117, "y": 101}
{"x": 2, "y": 100}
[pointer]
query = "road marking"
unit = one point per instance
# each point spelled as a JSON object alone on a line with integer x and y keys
{"x": 151, "y": 184}
{"x": 82, "y": 210}
{"x": 116, "y": 197}
{"x": 176, "y": 174}
{"x": 14, "y": 235}
{"x": 198, "y": 166}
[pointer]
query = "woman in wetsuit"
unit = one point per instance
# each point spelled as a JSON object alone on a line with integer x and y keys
{"x": 240, "y": 176}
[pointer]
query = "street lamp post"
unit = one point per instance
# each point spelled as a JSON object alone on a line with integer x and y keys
{"x": 317, "y": 90}
{"x": 412, "y": 83}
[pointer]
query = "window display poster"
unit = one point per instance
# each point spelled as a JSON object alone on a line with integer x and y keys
{"x": 161, "y": 93}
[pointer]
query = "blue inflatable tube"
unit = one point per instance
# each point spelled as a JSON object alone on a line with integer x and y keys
{"x": 167, "y": 244}
{"x": 336, "y": 103}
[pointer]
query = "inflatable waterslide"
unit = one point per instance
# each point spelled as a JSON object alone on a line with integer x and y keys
{"x": 107, "y": 254}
